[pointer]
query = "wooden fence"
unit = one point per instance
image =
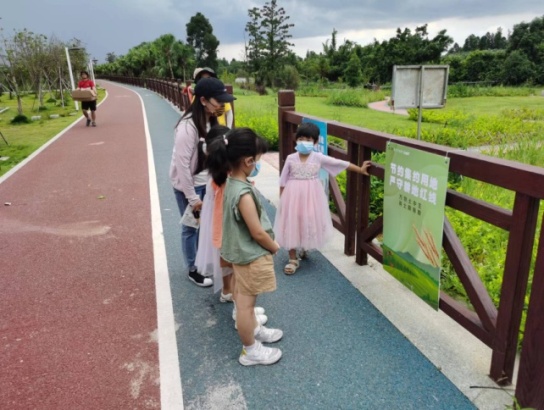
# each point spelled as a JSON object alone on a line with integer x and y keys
{"x": 497, "y": 328}
{"x": 173, "y": 90}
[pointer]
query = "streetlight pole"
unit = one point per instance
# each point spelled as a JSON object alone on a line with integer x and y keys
{"x": 92, "y": 63}
{"x": 71, "y": 75}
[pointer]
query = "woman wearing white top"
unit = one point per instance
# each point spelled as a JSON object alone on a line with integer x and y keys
{"x": 187, "y": 172}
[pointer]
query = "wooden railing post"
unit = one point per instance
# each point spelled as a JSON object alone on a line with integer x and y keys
{"x": 530, "y": 383}
{"x": 514, "y": 287}
{"x": 362, "y": 203}
{"x": 352, "y": 185}
{"x": 286, "y": 102}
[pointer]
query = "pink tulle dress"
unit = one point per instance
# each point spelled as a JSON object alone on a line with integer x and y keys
{"x": 303, "y": 219}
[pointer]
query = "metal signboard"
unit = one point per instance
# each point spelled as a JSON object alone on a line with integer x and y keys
{"x": 415, "y": 83}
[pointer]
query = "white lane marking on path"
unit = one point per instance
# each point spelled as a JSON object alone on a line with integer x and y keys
{"x": 170, "y": 377}
{"x": 43, "y": 147}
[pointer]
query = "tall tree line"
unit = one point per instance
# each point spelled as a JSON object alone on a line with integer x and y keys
{"x": 514, "y": 58}
{"x": 166, "y": 56}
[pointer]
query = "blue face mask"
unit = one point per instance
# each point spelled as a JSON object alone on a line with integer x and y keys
{"x": 304, "y": 147}
{"x": 256, "y": 170}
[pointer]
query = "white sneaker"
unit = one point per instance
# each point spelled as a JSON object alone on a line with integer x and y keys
{"x": 258, "y": 311}
{"x": 225, "y": 298}
{"x": 266, "y": 335}
{"x": 259, "y": 355}
{"x": 261, "y": 320}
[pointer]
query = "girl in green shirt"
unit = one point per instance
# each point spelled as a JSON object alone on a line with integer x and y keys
{"x": 248, "y": 240}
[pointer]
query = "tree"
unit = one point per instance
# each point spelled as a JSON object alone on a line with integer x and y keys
{"x": 484, "y": 65}
{"x": 111, "y": 57}
{"x": 12, "y": 70}
{"x": 405, "y": 48}
{"x": 32, "y": 53}
{"x": 528, "y": 38}
{"x": 268, "y": 44}
{"x": 472, "y": 43}
{"x": 353, "y": 75}
{"x": 167, "y": 50}
{"x": 517, "y": 69}
{"x": 201, "y": 38}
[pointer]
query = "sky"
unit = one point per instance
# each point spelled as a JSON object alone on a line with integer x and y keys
{"x": 118, "y": 25}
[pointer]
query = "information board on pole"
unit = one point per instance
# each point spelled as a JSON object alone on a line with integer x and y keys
{"x": 415, "y": 83}
{"x": 415, "y": 186}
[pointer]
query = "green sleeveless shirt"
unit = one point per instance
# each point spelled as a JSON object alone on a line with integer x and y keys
{"x": 238, "y": 246}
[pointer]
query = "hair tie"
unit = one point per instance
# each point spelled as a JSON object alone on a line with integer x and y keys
{"x": 226, "y": 140}
{"x": 205, "y": 148}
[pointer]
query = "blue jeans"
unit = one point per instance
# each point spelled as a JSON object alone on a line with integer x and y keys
{"x": 189, "y": 235}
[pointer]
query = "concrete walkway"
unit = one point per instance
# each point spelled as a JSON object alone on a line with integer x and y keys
{"x": 127, "y": 322}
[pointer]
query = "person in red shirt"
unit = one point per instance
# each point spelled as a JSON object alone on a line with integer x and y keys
{"x": 86, "y": 83}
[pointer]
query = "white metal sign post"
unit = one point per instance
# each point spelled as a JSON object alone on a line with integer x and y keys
{"x": 419, "y": 86}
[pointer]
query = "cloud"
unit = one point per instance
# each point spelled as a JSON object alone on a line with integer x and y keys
{"x": 118, "y": 25}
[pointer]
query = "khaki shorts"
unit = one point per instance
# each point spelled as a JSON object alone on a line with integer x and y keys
{"x": 257, "y": 277}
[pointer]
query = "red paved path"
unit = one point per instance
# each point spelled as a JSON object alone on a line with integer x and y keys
{"x": 77, "y": 297}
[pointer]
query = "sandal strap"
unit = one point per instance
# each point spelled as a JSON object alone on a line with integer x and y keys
{"x": 291, "y": 267}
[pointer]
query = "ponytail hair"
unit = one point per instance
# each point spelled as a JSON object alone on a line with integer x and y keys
{"x": 217, "y": 131}
{"x": 225, "y": 154}
{"x": 196, "y": 113}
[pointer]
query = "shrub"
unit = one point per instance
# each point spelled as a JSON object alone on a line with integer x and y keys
{"x": 264, "y": 125}
{"x": 354, "y": 97}
{"x": 463, "y": 91}
{"x": 289, "y": 77}
{"x": 346, "y": 99}
{"x": 20, "y": 119}
{"x": 43, "y": 108}
{"x": 51, "y": 100}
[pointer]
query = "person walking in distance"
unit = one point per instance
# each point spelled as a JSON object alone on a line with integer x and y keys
{"x": 85, "y": 83}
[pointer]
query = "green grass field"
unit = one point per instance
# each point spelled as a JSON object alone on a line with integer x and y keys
{"x": 487, "y": 120}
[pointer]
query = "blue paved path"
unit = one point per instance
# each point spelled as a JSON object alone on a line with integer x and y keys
{"x": 339, "y": 352}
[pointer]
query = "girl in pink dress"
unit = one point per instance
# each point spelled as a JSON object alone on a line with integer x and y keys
{"x": 303, "y": 220}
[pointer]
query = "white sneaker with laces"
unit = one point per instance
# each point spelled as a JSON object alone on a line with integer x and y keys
{"x": 261, "y": 320}
{"x": 259, "y": 355}
{"x": 266, "y": 335}
{"x": 225, "y": 298}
